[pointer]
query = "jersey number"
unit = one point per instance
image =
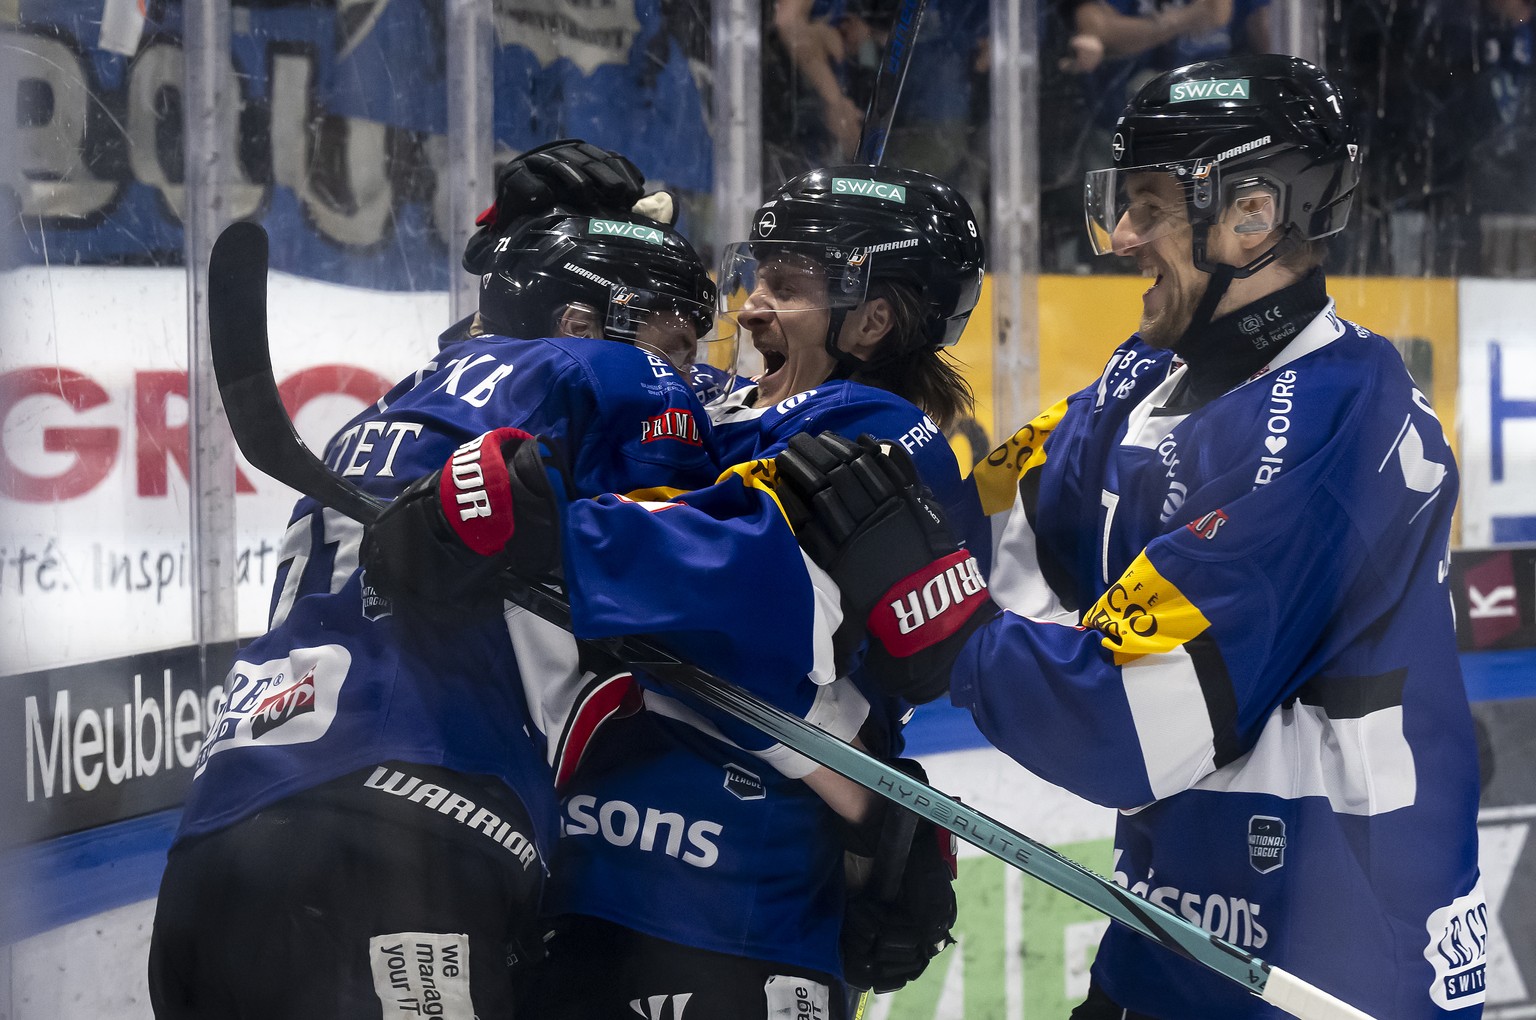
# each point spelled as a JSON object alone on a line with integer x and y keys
{"x": 1110, "y": 501}
{"x": 319, "y": 553}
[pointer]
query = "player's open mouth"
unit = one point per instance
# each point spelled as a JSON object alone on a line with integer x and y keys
{"x": 772, "y": 361}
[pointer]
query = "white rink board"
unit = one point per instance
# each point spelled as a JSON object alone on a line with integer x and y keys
{"x": 1496, "y": 399}
{"x": 117, "y": 553}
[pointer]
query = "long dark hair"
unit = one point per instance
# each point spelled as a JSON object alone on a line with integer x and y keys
{"x": 908, "y": 364}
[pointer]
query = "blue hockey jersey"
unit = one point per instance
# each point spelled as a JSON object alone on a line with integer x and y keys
{"x": 1232, "y": 624}
{"x": 343, "y": 680}
{"x": 674, "y": 831}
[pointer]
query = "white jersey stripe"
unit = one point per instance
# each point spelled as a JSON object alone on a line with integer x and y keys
{"x": 1017, "y": 580}
{"x": 1364, "y": 766}
{"x": 1172, "y": 723}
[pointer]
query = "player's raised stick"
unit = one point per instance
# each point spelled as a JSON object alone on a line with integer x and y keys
{"x": 881, "y": 112}
{"x": 242, "y": 364}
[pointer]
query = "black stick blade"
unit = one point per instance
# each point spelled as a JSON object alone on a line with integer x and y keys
{"x": 237, "y": 305}
{"x": 242, "y": 364}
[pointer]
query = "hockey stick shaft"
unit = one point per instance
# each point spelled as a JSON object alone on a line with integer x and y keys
{"x": 242, "y": 364}
{"x": 881, "y": 112}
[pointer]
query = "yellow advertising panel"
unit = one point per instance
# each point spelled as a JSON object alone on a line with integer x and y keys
{"x": 1083, "y": 318}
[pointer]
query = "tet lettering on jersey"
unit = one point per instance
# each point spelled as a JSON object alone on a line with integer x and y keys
{"x": 352, "y": 452}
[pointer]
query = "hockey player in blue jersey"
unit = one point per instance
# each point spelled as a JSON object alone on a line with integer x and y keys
{"x": 696, "y": 874}
{"x": 1222, "y": 567}
{"x": 372, "y": 815}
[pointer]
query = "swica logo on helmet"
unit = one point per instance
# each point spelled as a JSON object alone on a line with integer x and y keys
{"x": 868, "y": 189}
{"x": 620, "y": 229}
{"x": 1212, "y": 88}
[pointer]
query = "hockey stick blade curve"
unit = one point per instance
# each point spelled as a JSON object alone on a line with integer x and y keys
{"x": 266, "y": 435}
{"x": 242, "y": 365}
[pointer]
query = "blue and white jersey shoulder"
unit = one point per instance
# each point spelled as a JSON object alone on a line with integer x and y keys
{"x": 1251, "y": 654}
{"x": 343, "y": 679}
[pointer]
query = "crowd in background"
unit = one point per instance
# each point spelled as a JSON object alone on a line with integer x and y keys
{"x": 1445, "y": 88}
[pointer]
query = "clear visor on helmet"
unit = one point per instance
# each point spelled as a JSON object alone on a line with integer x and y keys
{"x": 676, "y": 328}
{"x": 783, "y": 276}
{"x": 1126, "y": 207}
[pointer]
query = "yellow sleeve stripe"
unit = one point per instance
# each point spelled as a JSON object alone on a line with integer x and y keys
{"x": 756, "y": 474}
{"x": 999, "y": 472}
{"x": 1143, "y": 613}
{"x": 657, "y": 494}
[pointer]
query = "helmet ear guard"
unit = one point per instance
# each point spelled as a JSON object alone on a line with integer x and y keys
{"x": 1257, "y": 209}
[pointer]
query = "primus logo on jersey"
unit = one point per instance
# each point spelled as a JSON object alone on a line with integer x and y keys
{"x": 1458, "y": 950}
{"x": 1211, "y": 88}
{"x": 617, "y": 228}
{"x": 671, "y": 424}
{"x": 868, "y": 189}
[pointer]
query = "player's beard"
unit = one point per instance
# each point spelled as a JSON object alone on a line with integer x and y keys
{"x": 1169, "y": 307}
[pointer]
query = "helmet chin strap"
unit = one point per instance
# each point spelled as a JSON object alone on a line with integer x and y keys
{"x": 847, "y": 364}
{"x": 1222, "y": 274}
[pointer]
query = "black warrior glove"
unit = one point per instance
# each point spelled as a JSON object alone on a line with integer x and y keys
{"x": 901, "y": 918}
{"x": 495, "y": 505}
{"x": 569, "y": 173}
{"x": 861, "y": 513}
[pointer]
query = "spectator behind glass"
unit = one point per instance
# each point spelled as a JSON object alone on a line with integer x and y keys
{"x": 1499, "y": 188}
{"x": 809, "y": 117}
{"x": 939, "y": 127}
{"x": 1452, "y": 138}
{"x": 821, "y": 62}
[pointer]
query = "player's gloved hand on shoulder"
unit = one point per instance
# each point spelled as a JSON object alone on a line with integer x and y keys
{"x": 860, "y": 511}
{"x": 902, "y": 915}
{"x": 495, "y": 505}
{"x": 567, "y": 172}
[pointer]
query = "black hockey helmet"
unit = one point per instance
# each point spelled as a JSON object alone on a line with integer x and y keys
{"x": 870, "y": 223}
{"x": 626, "y": 277}
{"x": 1223, "y": 127}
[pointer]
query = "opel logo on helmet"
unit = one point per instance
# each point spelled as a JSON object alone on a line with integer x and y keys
{"x": 1117, "y": 147}
{"x": 766, "y": 223}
